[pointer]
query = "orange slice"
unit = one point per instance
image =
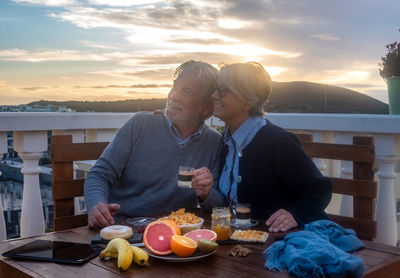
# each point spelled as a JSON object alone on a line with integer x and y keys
{"x": 183, "y": 246}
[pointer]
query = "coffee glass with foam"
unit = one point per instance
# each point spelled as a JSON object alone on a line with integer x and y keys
{"x": 185, "y": 176}
{"x": 242, "y": 212}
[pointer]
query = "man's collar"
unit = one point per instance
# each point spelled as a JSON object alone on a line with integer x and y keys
{"x": 191, "y": 137}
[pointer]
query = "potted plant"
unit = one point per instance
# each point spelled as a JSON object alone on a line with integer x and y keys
{"x": 390, "y": 72}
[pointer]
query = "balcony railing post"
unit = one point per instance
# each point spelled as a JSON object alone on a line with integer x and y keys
{"x": 346, "y": 207}
{"x": 30, "y": 146}
{"x": 3, "y": 150}
{"x": 387, "y": 150}
{"x": 3, "y": 143}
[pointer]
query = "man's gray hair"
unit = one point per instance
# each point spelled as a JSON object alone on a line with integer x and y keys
{"x": 206, "y": 73}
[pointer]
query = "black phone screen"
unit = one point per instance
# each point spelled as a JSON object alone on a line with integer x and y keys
{"x": 55, "y": 251}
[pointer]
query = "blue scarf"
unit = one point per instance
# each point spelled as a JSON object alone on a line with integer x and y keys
{"x": 318, "y": 251}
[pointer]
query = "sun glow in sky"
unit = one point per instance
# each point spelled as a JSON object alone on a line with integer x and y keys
{"x": 124, "y": 49}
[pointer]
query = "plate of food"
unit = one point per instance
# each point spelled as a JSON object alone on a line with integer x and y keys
{"x": 174, "y": 258}
{"x": 186, "y": 221}
{"x": 250, "y": 236}
{"x": 110, "y": 232}
{"x": 165, "y": 239}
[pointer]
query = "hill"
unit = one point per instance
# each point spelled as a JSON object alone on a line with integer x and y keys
{"x": 308, "y": 97}
{"x": 131, "y": 105}
{"x": 286, "y": 97}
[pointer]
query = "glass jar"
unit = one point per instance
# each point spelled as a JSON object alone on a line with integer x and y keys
{"x": 221, "y": 222}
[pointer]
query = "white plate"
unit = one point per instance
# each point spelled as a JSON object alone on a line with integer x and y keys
{"x": 252, "y": 223}
{"x": 140, "y": 244}
{"x": 174, "y": 258}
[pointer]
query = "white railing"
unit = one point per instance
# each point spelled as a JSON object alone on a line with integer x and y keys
{"x": 30, "y": 140}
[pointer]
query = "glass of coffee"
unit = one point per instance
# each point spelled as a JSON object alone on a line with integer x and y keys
{"x": 242, "y": 211}
{"x": 185, "y": 176}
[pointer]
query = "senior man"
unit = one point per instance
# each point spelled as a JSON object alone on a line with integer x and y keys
{"x": 137, "y": 173}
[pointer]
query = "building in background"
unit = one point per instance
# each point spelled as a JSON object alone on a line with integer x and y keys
{"x": 33, "y": 108}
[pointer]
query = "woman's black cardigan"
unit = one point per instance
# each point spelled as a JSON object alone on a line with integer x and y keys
{"x": 276, "y": 173}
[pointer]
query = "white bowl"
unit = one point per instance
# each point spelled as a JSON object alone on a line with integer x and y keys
{"x": 190, "y": 227}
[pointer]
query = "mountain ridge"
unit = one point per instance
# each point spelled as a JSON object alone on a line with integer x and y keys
{"x": 286, "y": 97}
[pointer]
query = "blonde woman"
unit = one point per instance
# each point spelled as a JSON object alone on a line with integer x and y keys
{"x": 264, "y": 164}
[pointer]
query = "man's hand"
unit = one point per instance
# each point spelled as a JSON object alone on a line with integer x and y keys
{"x": 281, "y": 220}
{"x": 102, "y": 214}
{"x": 202, "y": 182}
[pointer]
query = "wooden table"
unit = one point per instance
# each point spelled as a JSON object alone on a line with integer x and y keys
{"x": 381, "y": 261}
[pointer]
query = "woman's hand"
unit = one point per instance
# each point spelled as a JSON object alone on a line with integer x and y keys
{"x": 281, "y": 220}
{"x": 202, "y": 182}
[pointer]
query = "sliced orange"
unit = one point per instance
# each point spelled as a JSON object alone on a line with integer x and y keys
{"x": 183, "y": 246}
{"x": 172, "y": 224}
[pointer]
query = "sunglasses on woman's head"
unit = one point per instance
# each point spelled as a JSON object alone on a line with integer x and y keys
{"x": 222, "y": 91}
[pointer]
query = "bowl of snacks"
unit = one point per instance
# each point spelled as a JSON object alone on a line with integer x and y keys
{"x": 186, "y": 221}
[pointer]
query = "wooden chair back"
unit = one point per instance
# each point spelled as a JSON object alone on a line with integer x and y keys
{"x": 362, "y": 187}
{"x": 64, "y": 187}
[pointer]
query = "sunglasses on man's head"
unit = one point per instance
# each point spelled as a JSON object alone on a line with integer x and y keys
{"x": 222, "y": 91}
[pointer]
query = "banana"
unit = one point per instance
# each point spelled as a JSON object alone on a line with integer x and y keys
{"x": 111, "y": 255}
{"x": 121, "y": 249}
{"x": 140, "y": 256}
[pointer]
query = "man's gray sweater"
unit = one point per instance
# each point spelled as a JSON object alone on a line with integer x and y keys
{"x": 139, "y": 168}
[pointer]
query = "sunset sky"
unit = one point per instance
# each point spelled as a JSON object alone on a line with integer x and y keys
{"x": 123, "y": 49}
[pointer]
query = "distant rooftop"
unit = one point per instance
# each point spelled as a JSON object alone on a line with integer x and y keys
{"x": 34, "y": 108}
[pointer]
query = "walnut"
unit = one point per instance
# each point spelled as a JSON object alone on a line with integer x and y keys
{"x": 240, "y": 251}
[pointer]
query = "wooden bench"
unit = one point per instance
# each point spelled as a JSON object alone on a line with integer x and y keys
{"x": 64, "y": 187}
{"x": 362, "y": 187}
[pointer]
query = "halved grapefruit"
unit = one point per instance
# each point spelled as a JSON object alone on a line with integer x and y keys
{"x": 157, "y": 237}
{"x": 173, "y": 224}
{"x": 201, "y": 234}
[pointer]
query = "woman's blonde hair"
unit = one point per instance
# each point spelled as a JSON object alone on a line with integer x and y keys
{"x": 248, "y": 81}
